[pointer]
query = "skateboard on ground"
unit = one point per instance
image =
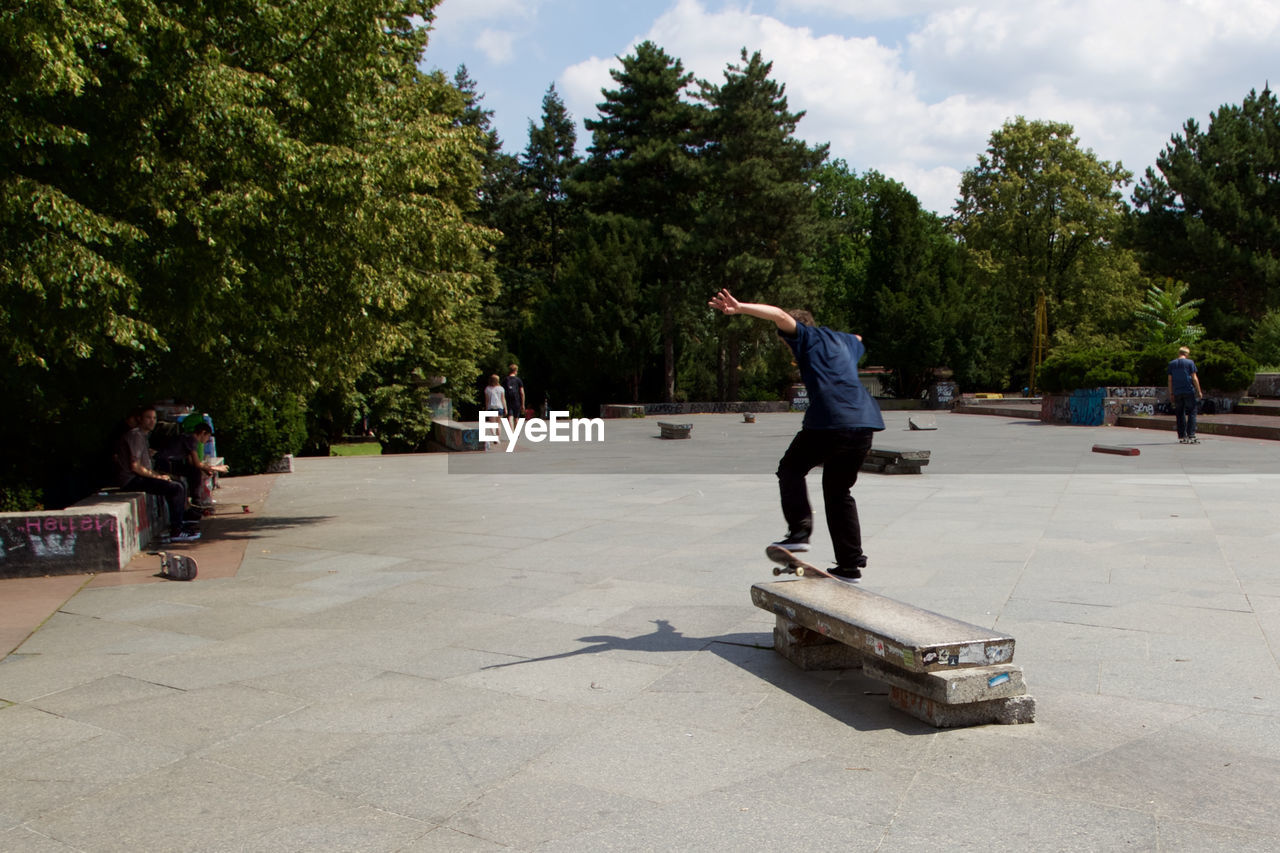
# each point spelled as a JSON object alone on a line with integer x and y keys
{"x": 177, "y": 567}
{"x": 219, "y": 509}
{"x": 790, "y": 564}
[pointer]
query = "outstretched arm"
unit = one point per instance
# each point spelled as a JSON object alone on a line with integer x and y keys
{"x": 725, "y": 303}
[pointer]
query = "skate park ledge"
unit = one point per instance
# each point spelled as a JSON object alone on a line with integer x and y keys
{"x": 939, "y": 670}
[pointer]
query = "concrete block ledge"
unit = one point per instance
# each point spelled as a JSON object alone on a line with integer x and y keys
{"x": 674, "y": 431}
{"x": 1011, "y": 711}
{"x": 903, "y": 635}
{"x": 939, "y": 670}
{"x": 101, "y": 533}
{"x": 456, "y": 436}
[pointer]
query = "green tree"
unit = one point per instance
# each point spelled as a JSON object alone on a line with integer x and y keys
{"x": 642, "y": 172}
{"x": 1039, "y": 215}
{"x": 1211, "y": 215}
{"x": 893, "y": 272}
{"x": 757, "y": 220}
{"x": 226, "y": 202}
{"x": 1167, "y": 318}
{"x": 537, "y": 217}
{"x": 914, "y": 280}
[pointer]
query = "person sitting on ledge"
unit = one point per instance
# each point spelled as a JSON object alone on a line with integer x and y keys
{"x": 131, "y": 460}
{"x": 179, "y": 455}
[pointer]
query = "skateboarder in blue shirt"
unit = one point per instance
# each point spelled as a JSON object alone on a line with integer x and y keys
{"x": 1184, "y": 394}
{"x": 836, "y": 432}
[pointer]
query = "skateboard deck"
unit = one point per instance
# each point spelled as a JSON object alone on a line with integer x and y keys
{"x": 177, "y": 567}
{"x": 790, "y": 564}
{"x": 228, "y": 509}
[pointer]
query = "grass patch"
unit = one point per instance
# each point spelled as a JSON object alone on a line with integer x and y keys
{"x": 364, "y": 448}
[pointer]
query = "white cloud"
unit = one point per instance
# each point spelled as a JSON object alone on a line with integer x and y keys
{"x": 1125, "y": 74}
{"x": 457, "y": 12}
{"x": 864, "y": 9}
{"x": 497, "y": 45}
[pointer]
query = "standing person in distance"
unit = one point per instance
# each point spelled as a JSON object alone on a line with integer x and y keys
{"x": 836, "y": 432}
{"x": 495, "y": 398}
{"x": 1184, "y": 394}
{"x": 514, "y": 388}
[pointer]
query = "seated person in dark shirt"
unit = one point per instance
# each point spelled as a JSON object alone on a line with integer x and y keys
{"x": 179, "y": 455}
{"x": 134, "y": 471}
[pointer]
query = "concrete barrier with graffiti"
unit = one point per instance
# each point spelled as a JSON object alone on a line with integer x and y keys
{"x": 99, "y": 534}
{"x": 1104, "y": 406}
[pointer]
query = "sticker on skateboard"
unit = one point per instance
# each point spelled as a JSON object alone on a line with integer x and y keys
{"x": 790, "y": 564}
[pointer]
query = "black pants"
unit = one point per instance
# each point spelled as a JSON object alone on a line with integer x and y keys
{"x": 183, "y": 471}
{"x": 174, "y": 493}
{"x": 1184, "y": 410}
{"x": 840, "y": 453}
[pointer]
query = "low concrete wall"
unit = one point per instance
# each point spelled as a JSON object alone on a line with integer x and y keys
{"x": 1105, "y": 406}
{"x": 622, "y": 410}
{"x": 715, "y": 408}
{"x": 1265, "y": 385}
{"x": 457, "y": 435}
{"x": 101, "y": 533}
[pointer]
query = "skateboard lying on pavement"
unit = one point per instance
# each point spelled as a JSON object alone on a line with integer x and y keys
{"x": 790, "y": 564}
{"x": 177, "y": 567}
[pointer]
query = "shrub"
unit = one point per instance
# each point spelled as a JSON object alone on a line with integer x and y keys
{"x": 401, "y": 417}
{"x": 1264, "y": 343}
{"x": 1095, "y": 367}
{"x": 1152, "y": 364}
{"x": 1223, "y": 366}
{"x": 17, "y": 497}
{"x": 1108, "y": 375}
{"x": 251, "y": 434}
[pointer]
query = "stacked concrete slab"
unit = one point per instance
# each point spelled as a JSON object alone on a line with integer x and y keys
{"x": 940, "y": 670}
{"x": 883, "y": 460}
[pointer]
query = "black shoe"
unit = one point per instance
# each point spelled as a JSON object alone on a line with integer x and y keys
{"x": 845, "y": 573}
{"x": 794, "y": 543}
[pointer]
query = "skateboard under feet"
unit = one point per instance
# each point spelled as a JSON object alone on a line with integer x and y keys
{"x": 790, "y": 564}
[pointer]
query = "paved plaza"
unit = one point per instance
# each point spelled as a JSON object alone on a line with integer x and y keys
{"x": 437, "y": 653}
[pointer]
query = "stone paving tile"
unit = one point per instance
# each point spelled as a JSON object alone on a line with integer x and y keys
{"x": 383, "y": 674}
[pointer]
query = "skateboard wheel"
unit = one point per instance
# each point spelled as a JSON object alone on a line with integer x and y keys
{"x": 799, "y": 571}
{"x": 776, "y": 571}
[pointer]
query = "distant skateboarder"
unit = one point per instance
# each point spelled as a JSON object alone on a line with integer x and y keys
{"x": 836, "y": 433}
{"x": 1184, "y": 394}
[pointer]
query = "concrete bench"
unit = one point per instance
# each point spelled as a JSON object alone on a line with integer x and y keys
{"x": 939, "y": 670}
{"x": 454, "y": 435}
{"x": 670, "y": 430}
{"x": 883, "y": 460}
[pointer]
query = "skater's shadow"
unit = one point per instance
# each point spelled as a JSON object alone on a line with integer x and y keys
{"x": 664, "y": 638}
{"x": 846, "y": 695}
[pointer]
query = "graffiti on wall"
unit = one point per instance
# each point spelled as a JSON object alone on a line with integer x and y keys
{"x": 1087, "y": 406}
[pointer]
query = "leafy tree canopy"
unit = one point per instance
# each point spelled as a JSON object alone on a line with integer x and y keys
{"x": 223, "y": 200}
{"x": 1209, "y": 213}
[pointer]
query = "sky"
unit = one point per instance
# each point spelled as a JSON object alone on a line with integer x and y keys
{"x": 911, "y": 88}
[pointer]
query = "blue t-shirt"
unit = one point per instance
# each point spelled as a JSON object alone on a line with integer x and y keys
{"x": 1180, "y": 370}
{"x": 828, "y": 362}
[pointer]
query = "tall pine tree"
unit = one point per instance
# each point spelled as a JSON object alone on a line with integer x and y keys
{"x": 1211, "y": 216}
{"x": 642, "y": 173}
{"x": 758, "y": 221}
